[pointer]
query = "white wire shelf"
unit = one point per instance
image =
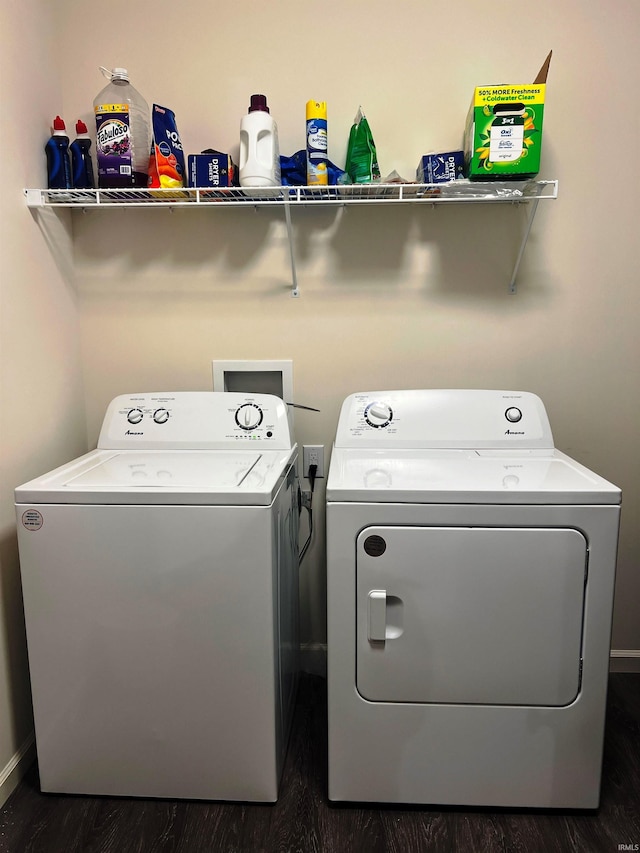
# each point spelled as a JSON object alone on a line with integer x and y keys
{"x": 288, "y": 198}
{"x": 430, "y": 194}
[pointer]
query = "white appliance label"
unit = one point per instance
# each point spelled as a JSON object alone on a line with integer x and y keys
{"x": 32, "y": 519}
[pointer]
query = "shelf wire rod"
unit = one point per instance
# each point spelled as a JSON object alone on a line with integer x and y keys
{"x": 295, "y": 292}
{"x": 512, "y": 284}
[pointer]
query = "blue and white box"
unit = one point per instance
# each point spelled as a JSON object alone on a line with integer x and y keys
{"x": 211, "y": 170}
{"x": 441, "y": 168}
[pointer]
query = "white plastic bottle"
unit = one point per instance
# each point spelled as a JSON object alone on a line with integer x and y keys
{"x": 123, "y": 133}
{"x": 259, "y": 151}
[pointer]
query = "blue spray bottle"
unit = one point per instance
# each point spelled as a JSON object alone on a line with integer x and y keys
{"x": 58, "y": 162}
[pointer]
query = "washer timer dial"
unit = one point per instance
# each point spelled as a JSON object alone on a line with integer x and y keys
{"x": 378, "y": 415}
{"x": 249, "y": 416}
{"x": 134, "y": 416}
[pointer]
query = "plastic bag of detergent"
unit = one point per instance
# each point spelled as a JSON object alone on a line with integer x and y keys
{"x": 362, "y": 160}
{"x": 166, "y": 163}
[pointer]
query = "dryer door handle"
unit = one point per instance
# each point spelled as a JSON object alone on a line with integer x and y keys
{"x": 385, "y": 616}
{"x": 377, "y": 621}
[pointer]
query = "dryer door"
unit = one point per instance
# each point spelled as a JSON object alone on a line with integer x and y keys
{"x": 472, "y": 615}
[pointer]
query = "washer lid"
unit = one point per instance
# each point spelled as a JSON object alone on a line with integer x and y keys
{"x": 169, "y": 477}
{"x": 464, "y": 476}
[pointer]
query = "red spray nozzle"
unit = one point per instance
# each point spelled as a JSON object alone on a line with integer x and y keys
{"x": 81, "y": 127}
{"x": 58, "y": 124}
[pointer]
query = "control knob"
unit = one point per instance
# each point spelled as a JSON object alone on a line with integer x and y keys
{"x": 134, "y": 416}
{"x": 249, "y": 416}
{"x": 378, "y": 415}
{"x": 161, "y": 416}
{"x": 513, "y": 414}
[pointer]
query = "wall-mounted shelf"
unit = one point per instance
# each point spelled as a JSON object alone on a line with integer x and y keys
{"x": 460, "y": 192}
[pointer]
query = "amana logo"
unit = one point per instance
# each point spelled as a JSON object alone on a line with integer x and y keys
{"x": 513, "y": 432}
{"x": 130, "y": 432}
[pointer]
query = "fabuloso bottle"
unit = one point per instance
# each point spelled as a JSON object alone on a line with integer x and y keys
{"x": 123, "y": 133}
{"x": 81, "y": 164}
{"x": 58, "y": 163}
{"x": 259, "y": 150}
{"x": 317, "y": 170}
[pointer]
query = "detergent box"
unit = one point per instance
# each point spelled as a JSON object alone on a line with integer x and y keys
{"x": 211, "y": 169}
{"x": 503, "y": 132}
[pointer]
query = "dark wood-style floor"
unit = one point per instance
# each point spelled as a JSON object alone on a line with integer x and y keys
{"x": 303, "y": 821}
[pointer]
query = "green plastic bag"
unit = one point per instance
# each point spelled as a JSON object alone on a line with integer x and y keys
{"x": 362, "y": 160}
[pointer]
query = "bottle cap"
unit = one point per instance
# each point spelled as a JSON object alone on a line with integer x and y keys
{"x": 316, "y": 109}
{"x": 258, "y": 103}
{"x": 81, "y": 127}
{"x": 120, "y": 74}
{"x": 58, "y": 124}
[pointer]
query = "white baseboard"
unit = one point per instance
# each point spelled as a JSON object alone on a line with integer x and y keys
{"x": 313, "y": 658}
{"x": 624, "y": 660}
{"x": 16, "y": 767}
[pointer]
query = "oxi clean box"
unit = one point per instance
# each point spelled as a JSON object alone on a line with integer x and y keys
{"x": 503, "y": 133}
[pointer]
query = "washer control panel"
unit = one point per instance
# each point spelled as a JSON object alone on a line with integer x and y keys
{"x": 473, "y": 419}
{"x": 195, "y": 420}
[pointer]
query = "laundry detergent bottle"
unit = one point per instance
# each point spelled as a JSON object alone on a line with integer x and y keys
{"x": 58, "y": 162}
{"x": 123, "y": 133}
{"x": 259, "y": 150}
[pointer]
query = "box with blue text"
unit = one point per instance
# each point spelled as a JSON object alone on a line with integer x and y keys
{"x": 440, "y": 168}
{"x": 211, "y": 170}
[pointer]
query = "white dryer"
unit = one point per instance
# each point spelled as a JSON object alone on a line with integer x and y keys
{"x": 470, "y": 578}
{"x": 160, "y": 582}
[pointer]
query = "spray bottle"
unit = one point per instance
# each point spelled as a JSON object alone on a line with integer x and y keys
{"x": 317, "y": 168}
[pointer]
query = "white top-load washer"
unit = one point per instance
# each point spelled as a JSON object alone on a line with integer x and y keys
{"x": 160, "y": 583}
{"x": 470, "y": 578}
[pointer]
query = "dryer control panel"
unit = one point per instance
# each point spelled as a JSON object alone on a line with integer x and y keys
{"x": 195, "y": 420}
{"x": 457, "y": 419}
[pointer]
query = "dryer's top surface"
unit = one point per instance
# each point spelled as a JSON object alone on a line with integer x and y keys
{"x": 464, "y": 476}
{"x": 455, "y": 446}
{"x": 211, "y": 448}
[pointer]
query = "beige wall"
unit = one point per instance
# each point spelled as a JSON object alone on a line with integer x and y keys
{"x": 42, "y": 419}
{"x": 391, "y": 297}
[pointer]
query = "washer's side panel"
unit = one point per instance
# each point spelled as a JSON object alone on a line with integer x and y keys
{"x": 467, "y": 754}
{"x": 286, "y": 594}
{"x": 150, "y": 634}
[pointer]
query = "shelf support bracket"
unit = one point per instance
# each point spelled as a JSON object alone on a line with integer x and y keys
{"x": 512, "y": 284}
{"x": 295, "y": 291}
